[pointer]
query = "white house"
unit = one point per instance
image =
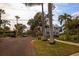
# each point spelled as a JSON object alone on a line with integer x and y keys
{"x": 56, "y": 28}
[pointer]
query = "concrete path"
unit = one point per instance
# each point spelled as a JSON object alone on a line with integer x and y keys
{"x": 75, "y": 54}
{"x": 71, "y": 43}
{"x": 16, "y": 47}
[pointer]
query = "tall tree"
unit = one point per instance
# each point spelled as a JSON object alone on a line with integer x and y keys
{"x": 43, "y": 22}
{"x": 20, "y": 28}
{"x": 4, "y": 26}
{"x": 36, "y": 23}
{"x": 17, "y": 17}
{"x": 5, "y": 22}
{"x": 51, "y": 40}
{"x": 32, "y": 24}
{"x": 64, "y": 20}
{"x": 1, "y": 12}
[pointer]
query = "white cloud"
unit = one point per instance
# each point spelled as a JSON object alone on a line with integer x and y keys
{"x": 19, "y": 9}
{"x": 76, "y": 13}
{"x": 25, "y": 13}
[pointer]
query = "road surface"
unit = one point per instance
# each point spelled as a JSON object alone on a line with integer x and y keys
{"x": 16, "y": 47}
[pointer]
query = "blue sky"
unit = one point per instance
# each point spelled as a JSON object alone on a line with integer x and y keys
{"x": 67, "y": 7}
{"x": 61, "y": 8}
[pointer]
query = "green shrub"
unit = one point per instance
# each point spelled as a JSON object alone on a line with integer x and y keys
{"x": 72, "y": 38}
{"x": 75, "y": 38}
{"x": 62, "y": 37}
{"x": 65, "y": 37}
{"x": 68, "y": 37}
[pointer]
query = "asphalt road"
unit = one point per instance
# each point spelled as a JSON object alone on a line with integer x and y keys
{"x": 16, "y": 47}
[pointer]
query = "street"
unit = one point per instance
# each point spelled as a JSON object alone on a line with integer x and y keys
{"x": 16, "y": 47}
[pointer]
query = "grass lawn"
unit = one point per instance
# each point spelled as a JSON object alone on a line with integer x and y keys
{"x": 42, "y": 48}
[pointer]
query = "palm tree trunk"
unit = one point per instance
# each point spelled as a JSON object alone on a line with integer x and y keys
{"x": 51, "y": 40}
{"x": 17, "y": 21}
{"x": 43, "y": 24}
{"x": 17, "y": 27}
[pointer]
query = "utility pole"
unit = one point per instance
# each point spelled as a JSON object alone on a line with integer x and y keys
{"x": 51, "y": 40}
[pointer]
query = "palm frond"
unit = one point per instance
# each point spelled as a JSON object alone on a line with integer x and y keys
{"x": 32, "y": 4}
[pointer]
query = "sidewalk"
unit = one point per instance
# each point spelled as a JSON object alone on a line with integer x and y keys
{"x": 71, "y": 43}
{"x": 75, "y": 54}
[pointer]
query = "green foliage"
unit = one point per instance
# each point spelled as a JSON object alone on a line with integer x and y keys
{"x": 6, "y": 28}
{"x": 71, "y": 28}
{"x": 65, "y": 17}
{"x": 32, "y": 24}
{"x": 0, "y": 22}
{"x": 36, "y": 21}
{"x": 64, "y": 37}
{"x": 7, "y": 34}
{"x": 35, "y": 24}
{"x": 75, "y": 38}
{"x": 31, "y": 33}
{"x": 72, "y": 38}
{"x": 17, "y": 17}
{"x": 1, "y": 12}
{"x": 20, "y": 28}
{"x": 5, "y": 22}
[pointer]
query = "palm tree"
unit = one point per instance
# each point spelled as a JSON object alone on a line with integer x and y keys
{"x": 43, "y": 22}
{"x": 32, "y": 4}
{"x": 51, "y": 40}
{"x": 64, "y": 18}
{"x": 17, "y": 17}
{"x": 1, "y": 12}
